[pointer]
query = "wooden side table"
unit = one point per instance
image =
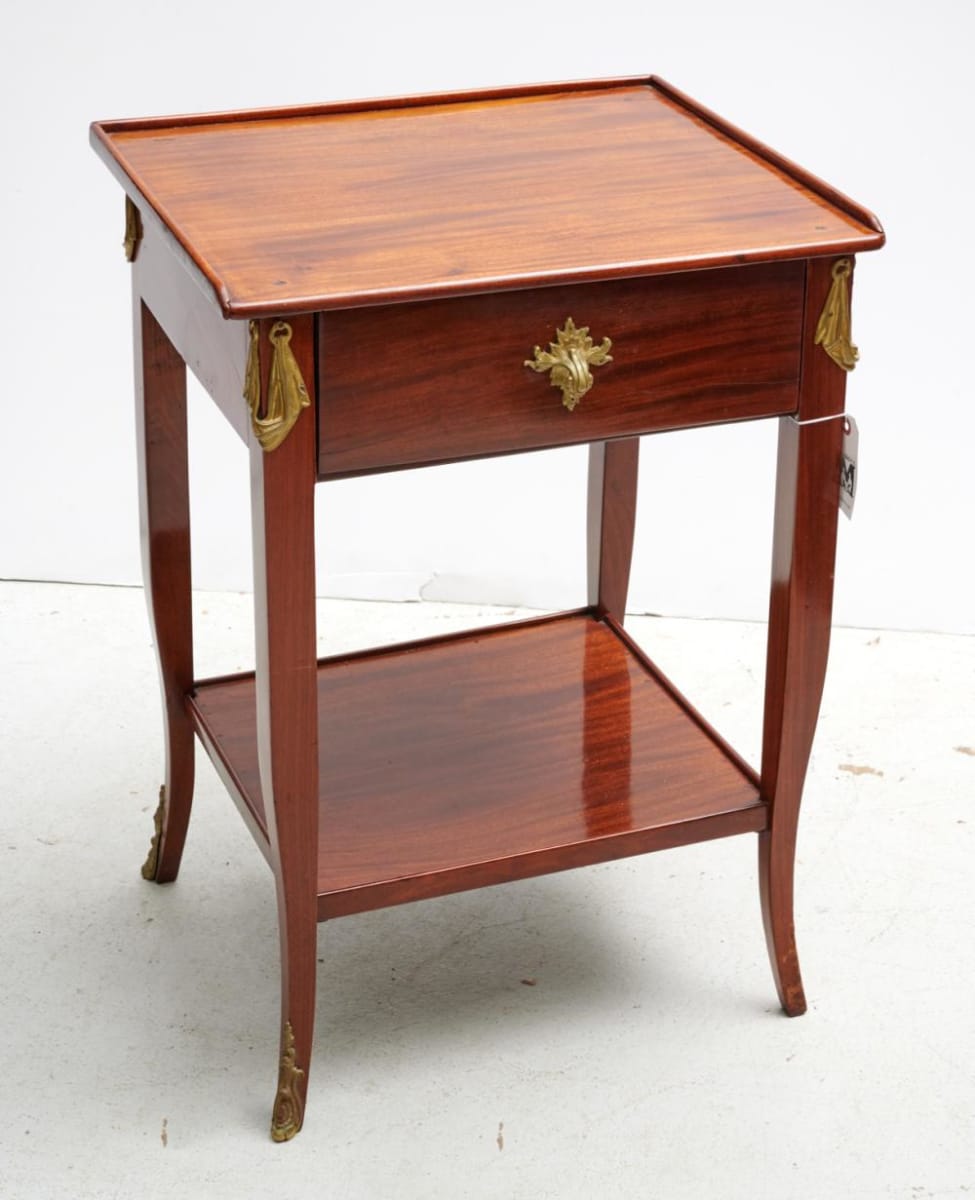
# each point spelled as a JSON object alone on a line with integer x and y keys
{"x": 369, "y": 286}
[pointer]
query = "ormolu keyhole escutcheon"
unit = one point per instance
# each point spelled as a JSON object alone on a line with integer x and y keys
{"x": 569, "y": 358}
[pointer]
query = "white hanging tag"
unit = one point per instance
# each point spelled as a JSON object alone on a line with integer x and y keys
{"x": 848, "y": 465}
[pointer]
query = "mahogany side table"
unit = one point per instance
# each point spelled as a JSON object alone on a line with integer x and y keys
{"x": 370, "y": 286}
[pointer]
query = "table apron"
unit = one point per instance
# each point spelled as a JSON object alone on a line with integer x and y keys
{"x": 436, "y": 381}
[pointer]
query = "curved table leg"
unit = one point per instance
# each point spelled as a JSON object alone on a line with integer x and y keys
{"x": 282, "y": 505}
{"x": 800, "y": 611}
{"x": 160, "y": 379}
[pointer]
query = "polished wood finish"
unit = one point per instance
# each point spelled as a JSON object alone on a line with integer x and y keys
{"x": 101, "y": 131}
{"x": 779, "y": 161}
{"x": 285, "y": 734}
{"x": 214, "y": 349}
{"x": 475, "y": 194}
{"x": 611, "y": 521}
{"x": 421, "y": 248}
{"x": 164, "y": 512}
{"x": 459, "y": 764}
{"x": 687, "y": 350}
{"x": 800, "y": 611}
{"x": 678, "y": 697}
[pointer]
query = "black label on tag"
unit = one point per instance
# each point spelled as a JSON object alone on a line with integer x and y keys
{"x": 848, "y": 466}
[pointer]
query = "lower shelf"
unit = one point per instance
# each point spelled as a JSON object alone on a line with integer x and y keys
{"x": 491, "y": 756}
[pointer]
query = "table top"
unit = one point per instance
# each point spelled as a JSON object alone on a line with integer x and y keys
{"x": 300, "y": 210}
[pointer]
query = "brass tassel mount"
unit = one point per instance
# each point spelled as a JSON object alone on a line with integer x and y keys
{"x": 133, "y": 231}
{"x": 288, "y": 1112}
{"x": 286, "y": 391}
{"x": 833, "y": 331}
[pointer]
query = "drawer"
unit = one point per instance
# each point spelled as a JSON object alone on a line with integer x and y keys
{"x": 407, "y": 384}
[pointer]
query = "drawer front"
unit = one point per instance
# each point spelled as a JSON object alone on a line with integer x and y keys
{"x": 406, "y": 384}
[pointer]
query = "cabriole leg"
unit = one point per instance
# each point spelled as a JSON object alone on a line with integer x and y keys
{"x": 800, "y": 611}
{"x": 160, "y": 379}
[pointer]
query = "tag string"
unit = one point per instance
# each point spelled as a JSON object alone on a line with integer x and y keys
{"x": 819, "y": 420}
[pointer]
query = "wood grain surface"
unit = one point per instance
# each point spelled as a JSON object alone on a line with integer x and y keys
{"x": 491, "y": 757}
{"x": 446, "y": 379}
{"x": 164, "y": 519}
{"x": 611, "y": 523}
{"x": 214, "y": 349}
{"x": 333, "y": 208}
{"x": 800, "y": 611}
{"x": 284, "y": 729}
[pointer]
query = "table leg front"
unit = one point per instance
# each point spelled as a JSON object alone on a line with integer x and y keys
{"x": 282, "y": 491}
{"x": 800, "y": 612}
{"x": 799, "y": 630}
{"x": 160, "y": 383}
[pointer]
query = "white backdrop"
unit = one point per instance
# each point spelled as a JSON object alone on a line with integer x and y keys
{"x": 876, "y": 98}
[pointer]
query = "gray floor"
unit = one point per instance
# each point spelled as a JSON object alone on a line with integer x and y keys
{"x": 610, "y": 1032}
